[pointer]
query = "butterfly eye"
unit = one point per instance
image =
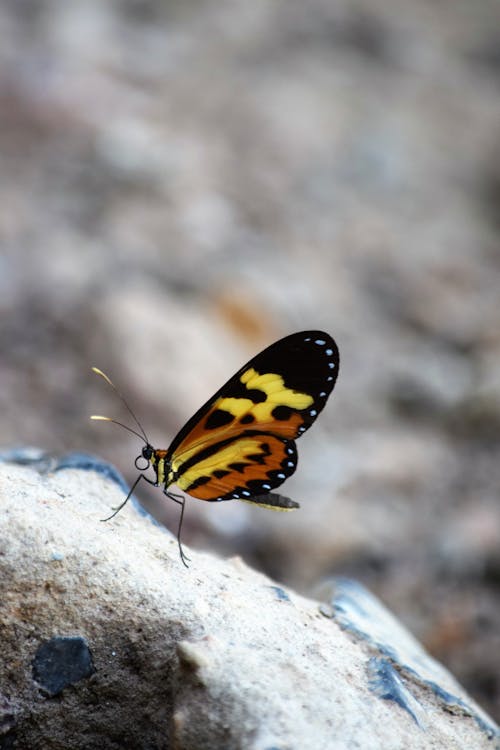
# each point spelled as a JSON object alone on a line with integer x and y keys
{"x": 146, "y": 455}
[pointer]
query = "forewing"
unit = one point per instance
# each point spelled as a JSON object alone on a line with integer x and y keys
{"x": 280, "y": 391}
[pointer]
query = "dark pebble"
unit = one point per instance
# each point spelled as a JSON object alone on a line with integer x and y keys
{"x": 60, "y": 662}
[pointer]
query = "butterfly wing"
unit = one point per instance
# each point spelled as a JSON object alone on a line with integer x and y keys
{"x": 241, "y": 467}
{"x": 241, "y": 442}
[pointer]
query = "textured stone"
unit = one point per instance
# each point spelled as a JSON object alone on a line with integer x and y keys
{"x": 214, "y": 656}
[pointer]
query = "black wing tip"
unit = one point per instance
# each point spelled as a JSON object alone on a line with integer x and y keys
{"x": 315, "y": 337}
{"x": 312, "y": 334}
{"x": 320, "y": 336}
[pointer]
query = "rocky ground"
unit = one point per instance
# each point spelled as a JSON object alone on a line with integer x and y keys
{"x": 109, "y": 642}
{"x": 182, "y": 183}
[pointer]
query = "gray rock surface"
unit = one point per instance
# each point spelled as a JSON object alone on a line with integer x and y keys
{"x": 107, "y": 641}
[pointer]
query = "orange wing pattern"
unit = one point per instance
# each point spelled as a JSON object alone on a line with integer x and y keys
{"x": 240, "y": 444}
{"x": 242, "y": 467}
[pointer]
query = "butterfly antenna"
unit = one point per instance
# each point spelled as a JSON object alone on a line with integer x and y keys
{"x": 99, "y": 418}
{"x": 120, "y": 394}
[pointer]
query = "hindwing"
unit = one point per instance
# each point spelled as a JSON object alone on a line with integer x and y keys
{"x": 238, "y": 468}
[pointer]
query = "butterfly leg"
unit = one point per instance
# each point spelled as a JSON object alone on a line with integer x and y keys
{"x": 180, "y": 500}
{"x": 122, "y": 505}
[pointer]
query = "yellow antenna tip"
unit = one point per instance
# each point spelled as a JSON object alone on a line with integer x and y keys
{"x": 99, "y": 418}
{"x": 102, "y": 375}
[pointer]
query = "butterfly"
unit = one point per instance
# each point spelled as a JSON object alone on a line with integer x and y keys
{"x": 240, "y": 445}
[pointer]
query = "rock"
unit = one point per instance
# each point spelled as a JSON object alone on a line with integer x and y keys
{"x": 133, "y": 650}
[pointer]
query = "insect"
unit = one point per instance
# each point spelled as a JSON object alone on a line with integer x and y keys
{"x": 241, "y": 443}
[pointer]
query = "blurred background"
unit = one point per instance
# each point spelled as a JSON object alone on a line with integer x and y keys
{"x": 182, "y": 183}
